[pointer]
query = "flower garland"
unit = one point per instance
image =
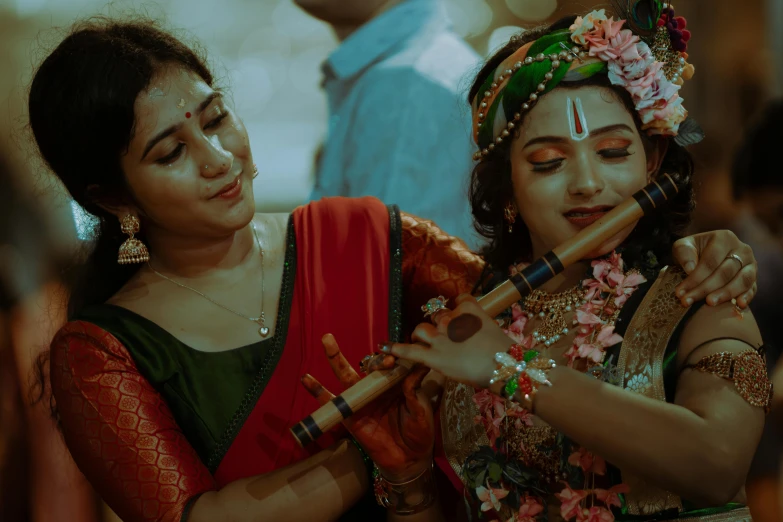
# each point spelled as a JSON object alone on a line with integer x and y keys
{"x": 511, "y": 490}
{"x": 634, "y": 66}
{"x": 607, "y": 292}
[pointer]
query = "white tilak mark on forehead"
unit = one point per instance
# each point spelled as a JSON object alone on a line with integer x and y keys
{"x": 577, "y": 123}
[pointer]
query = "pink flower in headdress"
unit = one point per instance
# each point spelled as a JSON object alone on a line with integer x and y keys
{"x": 661, "y": 99}
{"x": 620, "y": 71}
{"x": 643, "y": 87}
{"x": 669, "y": 110}
{"x": 620, "y": 46}
{"x": 625, "y": 47}
{"x": 581, "y": 26}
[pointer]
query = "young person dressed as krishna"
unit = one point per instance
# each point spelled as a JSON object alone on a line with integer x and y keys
{"x": 597, "y": 397}
{"x": 178, "y": 376}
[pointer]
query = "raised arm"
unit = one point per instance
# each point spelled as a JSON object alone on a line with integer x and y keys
{"x": 126, "y": 442}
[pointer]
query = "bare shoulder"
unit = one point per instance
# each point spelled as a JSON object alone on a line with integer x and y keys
{"x": 715, "y": 322}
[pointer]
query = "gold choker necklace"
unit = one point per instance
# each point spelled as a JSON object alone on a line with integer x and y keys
{"x": 552, "y": 310}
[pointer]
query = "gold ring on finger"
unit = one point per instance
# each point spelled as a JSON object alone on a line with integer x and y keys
{"x": 736, "y": 258}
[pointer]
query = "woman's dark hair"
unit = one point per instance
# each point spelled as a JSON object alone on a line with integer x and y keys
{"x": 491, "y": 187}
{"x": 81, "y": 106}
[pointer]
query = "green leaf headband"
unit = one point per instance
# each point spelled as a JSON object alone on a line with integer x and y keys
{"x": 593, "y": 45}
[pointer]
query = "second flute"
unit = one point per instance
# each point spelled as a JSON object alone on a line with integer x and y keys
{"x": 644, "y": 202}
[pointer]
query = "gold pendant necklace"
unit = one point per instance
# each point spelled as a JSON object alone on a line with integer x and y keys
{"x": 263, "y": 330}
{"x": 552, "y": 309}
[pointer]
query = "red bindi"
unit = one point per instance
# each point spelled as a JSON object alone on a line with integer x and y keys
{"x": 187, "y": 115}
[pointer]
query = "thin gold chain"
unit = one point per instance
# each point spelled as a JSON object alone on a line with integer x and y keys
{"x": 261, "y": 319}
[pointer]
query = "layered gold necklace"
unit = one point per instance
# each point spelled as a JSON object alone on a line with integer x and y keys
{"x": 554, "y": 311}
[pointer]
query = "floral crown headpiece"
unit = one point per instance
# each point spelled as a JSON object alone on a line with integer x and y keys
{"x": 651, "y": 67}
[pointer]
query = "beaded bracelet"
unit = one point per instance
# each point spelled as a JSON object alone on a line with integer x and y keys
{"x": 522, "y": 370}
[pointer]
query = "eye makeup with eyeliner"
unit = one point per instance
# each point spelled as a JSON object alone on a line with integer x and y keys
{"x": 614, "y": 148}
{"x": 544, "y": 160}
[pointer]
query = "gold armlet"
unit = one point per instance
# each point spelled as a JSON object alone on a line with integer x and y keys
{"x": 746, "y": 370}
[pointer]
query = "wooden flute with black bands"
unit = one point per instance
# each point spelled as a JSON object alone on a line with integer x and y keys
{"x": 644, "y": 202}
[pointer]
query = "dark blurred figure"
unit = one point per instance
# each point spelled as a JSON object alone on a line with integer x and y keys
{"x": 399, "y": 125}
{"x": 757, "y": 182}
{"x": 38, "y": 479}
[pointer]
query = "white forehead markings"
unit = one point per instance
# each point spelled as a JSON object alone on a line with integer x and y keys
{"x": 577, "y": 123}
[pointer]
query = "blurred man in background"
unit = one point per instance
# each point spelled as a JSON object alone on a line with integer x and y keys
{"x": 399, "y": 124}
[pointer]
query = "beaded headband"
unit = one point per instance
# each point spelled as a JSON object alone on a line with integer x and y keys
{"x": 651, "y": 72}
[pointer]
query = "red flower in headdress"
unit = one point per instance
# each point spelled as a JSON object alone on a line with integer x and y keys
{"x": 676, "y": 27}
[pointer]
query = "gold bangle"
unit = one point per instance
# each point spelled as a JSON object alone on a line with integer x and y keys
{"x": 406, "y": 498}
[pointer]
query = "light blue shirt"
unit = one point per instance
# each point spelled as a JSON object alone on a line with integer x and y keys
{"x": 399, "y": 120}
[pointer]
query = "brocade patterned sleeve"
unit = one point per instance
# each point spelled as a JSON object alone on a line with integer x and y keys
{"x": 433, "y": 264}
{"x": 120, "y": 431}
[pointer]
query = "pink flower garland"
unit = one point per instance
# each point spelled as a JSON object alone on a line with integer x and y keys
{"x": 607, "y": 291}
{"x": 633, "y": 66}
{"x": 594, "y": 335}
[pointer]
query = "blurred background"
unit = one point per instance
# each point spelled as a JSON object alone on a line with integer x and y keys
{"x": 268, "y": 55}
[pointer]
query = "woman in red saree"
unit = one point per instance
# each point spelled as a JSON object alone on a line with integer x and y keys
{"x": 174, "y": 402}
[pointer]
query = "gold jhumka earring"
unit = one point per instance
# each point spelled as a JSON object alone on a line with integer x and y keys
{"x": 132, "y": 250}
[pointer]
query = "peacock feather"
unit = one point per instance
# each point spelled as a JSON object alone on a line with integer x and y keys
{"x": 641, "y": 15}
